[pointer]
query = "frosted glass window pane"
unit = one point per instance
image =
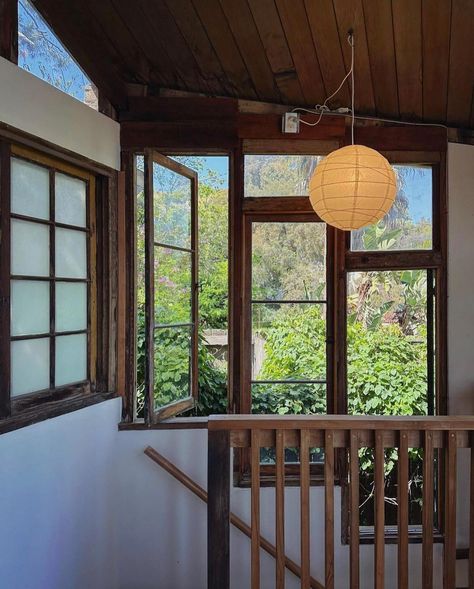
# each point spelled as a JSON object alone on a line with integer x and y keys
{"x": 71, "y": 306}
{"x": 30, "y": 366}
{"x": 71, "y": 254}
{"x": 29, "y": 189}
{"x": 71, "y": 359}
{"x": 70, "y": 200}
{"x": 29, "y": 307}
{"x": 30, "y": 248}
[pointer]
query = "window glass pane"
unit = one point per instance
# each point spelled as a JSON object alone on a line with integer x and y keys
{"x": 71, "y": 306}
{"x": 42, "y": 53}
{"x": 71, "y": 359}
{"x": 172, "y": 207}
{"x": 71, "y": 253}
{"x": 387, "y": 371}
{"x": 29, "y": 189}
{"x": 278, "y": 175}
{"x": 213, "y": 280}
{"x": 172, "y": 365}
{"x": 387, "y": 356}
{"x": 288, "y": 342}
{"x": 70, "y": 205}
{"x": 287, "y": 398}
{"x": 30, "y": 248}
{"x": 409, "y": 223}
{"x": 289, "y": 261}
{"x": 172, "y": 286}
{"x": 30, "y": 366}
{"x": 29, "y": 307}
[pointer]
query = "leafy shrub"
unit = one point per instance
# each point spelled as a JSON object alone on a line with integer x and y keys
{"x": 171, "y": 380}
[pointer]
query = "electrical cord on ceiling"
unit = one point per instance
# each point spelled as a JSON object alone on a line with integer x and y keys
{"x": 322, "y": 109}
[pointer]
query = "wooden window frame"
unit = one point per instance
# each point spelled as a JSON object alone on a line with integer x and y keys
{"x": 100, "y": 384}
{"x": 153, "y": 414}
{"x": 340, "y": 261}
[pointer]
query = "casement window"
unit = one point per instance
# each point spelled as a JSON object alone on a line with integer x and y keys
{"x": 335, "y": 322}
{"x": 171, "y": 287}
{"x": 50, "y": 308}
{"x": 309, "y": 304}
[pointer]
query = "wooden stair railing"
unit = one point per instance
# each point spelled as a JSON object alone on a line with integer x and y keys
{"x": 441, "y": 435}
{"x": 188, "y": 482}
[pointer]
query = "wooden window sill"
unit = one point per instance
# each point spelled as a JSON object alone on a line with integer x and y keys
{"x": 172, "y": 423}
{"x": 51, "y": 409}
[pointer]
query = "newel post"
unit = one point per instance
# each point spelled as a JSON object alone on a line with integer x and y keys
{"x": 218, "y": 510}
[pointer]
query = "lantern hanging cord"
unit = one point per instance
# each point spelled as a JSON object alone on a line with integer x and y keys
{"x": 350, "y": 38}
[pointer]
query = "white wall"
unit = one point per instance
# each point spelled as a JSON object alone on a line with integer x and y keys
{"x": 57, "y": 504}
{"x": 34, "y": 106}
{"x": 461, "y": 279}
{"x": 461, "y": 312}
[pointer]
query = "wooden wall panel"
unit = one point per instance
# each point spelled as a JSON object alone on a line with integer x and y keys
{"x": 436, "y": 22}
{"x": 461, "y": 63}
{"x": 379, "y": 27}
{"x": 323, "y": 25}
{"x": 350, "y": 16}
{"x": 298, "y": 33}
{"x": 408, "y": 49}
{"x": 220, "y": 35}
{"x": 245, "y": 32}
{"x": 276, "y": 47}
{"x": 9, "y": 30}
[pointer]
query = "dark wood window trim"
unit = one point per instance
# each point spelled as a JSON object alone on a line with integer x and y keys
{"x": 101, "y": 383}
{"x": 259, "y": 133}
{"x": 343, "y": 261}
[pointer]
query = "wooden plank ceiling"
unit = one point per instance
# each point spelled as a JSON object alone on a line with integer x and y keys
{"x": 414, "y": 58}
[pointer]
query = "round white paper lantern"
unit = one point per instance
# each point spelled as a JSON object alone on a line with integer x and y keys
{"x": 352, "y": 187}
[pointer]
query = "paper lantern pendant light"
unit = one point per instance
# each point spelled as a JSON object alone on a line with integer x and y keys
{"x": 352, "y": 187}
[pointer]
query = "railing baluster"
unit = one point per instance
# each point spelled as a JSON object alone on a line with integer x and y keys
{"x": 280, "y": 508}
{"x": 304, "y": 504}
{"x": 427, "y": 512}
{"x": 449, "y": 576}
{"x": 403, "y": 511}
{"x": 354, "y": 509}
{"x": 329, "y": 508}
{"x": 255, "y": 500}
{"x": 471, "y": 517}
{"x": 379, "y": 479}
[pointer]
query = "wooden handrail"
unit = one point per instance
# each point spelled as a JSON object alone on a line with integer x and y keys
{"x": 438, "y": 437}
{"x": 338, "y": 422}
{"x": 190, "y": 484}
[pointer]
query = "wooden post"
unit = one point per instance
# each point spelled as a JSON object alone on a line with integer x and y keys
{"x": 218, "y": 511}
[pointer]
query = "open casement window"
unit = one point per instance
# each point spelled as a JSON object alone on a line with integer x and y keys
{"x": 171, "y": 287}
